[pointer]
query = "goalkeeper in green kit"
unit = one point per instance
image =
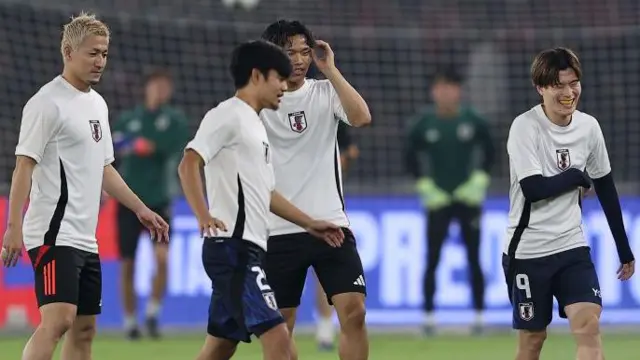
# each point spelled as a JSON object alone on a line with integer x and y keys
{"x": 447, "y": 137}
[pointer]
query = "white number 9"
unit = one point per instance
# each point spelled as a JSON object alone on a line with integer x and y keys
{"x": 522, "y": 283}
{"x": 261, "y": 279}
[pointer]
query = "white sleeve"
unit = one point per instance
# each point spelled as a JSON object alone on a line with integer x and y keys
{"x": 338, "y": 111}
{"x": 217, "y": 130}
{"x": 39, "y": 124}
{"x": 598, "y": 164}
{"x": 522, "y": 149}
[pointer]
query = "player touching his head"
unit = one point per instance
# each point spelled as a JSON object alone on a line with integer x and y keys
{"x": 63, "y": 164}
{"x": 307, "y": 164}
{"x": 232, "y": 147}
{"x": 550, "y": 147}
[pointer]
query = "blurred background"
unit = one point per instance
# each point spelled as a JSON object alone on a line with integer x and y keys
{"x": 389, "y": 50}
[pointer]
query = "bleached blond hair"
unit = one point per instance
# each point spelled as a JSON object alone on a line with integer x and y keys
{"x": 79, "y": 28}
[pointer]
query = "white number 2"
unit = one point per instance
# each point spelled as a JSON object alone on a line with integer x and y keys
{"x": 522, "y": 283}
{"x": 261, "y": 279}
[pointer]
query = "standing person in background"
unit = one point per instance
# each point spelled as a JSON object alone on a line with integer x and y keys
{"x": 147, "y": 139}
{"x": 454, "y": 187}
{"x": 325, "y": 330}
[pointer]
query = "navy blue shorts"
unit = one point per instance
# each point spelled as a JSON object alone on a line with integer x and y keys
{"x": 242, "y": 302}
{"x": 569, "y": 276}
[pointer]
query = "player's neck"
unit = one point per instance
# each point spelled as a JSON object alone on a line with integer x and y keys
{"x": 75, "y": 82}
{"x": 293, "y": 86}
{"x": 557, "y": 119}
{"x": 249, "y": 100}
{"x": 152, "y": 105}
{"x": 447, "y": 112}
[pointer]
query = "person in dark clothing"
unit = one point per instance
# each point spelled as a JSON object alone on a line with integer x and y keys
{"x": 446, "y": 137}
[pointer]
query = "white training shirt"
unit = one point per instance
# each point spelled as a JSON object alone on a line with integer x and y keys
{"x": 233, "y": 144}
{"x": 536, "y": 146}
{"x": 66, "y": 131}
{"x": 306, "y": 159}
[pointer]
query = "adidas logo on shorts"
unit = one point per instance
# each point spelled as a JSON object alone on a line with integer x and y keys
{"x": 359, "y": 281}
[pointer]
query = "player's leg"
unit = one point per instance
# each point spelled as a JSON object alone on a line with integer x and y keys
{"x": 286, "y": 265}
{"x": 530, "y": 293}
{"x": 325, "y": 331}
{"x": 78, "y": 341}
{"x": 217, "y": 349}
{"x": 577, "y": 289}
{"x": 469, "y": 217}
{"x": 159, "y": 278}
{"x": 342, "y": 277}
{"x": 437, "y": 229}
{"x": 129, "y": 229}
{"x": 56, "y": 278}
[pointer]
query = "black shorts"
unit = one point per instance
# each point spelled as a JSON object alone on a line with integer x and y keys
{"x": 569, "y": 276}
{"x": 289, "y": 257}
{"x": 130, "y": 228}
{"x": 64, "y": 274}
{"x": 242, "y": 302}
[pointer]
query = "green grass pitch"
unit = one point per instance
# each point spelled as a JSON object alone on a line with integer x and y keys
{"x": 383, "y": 347}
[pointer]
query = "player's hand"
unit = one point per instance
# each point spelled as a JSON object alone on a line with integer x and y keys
{"x": 209, "y": 226}
{"x": 330, "y": 233}
{"x": 625, "y": 272}
{"x": 158, "y": 228}
{"x": 323, "y": 56}
{"x": 585, "y": 192}
{"x": 11, "y": 246}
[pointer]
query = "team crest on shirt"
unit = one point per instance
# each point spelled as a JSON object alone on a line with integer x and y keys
{"x": 96, "y": 130}
{"x": 526, "y": 311}
{"x": 298, "y": 121}
{"x": 563, "y": 159}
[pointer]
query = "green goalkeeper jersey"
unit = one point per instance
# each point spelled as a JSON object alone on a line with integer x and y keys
{"x": 151, "y": 176}
{"x": 448, "y": 147}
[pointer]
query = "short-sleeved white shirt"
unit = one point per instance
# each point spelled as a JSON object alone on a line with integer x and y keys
{"x": 536, "y": 146}
{"x": 66, "y": 131}
{"x": 233, "y": 144}
{"x": 306, "y": 158}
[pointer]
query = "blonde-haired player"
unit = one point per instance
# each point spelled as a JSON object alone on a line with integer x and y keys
{"x": 64, "y": 158}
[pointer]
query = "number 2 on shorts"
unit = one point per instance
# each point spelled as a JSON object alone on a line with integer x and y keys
{"x": 261, "y": 279}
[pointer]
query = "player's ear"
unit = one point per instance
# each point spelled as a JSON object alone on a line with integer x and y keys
{"x": 67, "y": 52}
{"x": 256, "y": 75}
{"x": 539, "y": 89}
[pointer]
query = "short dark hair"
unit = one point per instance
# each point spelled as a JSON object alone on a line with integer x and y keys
{"x": 260, "y": 55}
{"x": 281, "y": 32}
{"x": 546, "y": 67}
{"x": 158, "y": 74}
{"x": 447, "y": 75}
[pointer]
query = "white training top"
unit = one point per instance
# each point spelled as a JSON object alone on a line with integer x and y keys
{"x": 536, "y": 146}
{"x": 233, "y": 144}
{"x": 306, "y": 159}
{"x": 66, "y": 131}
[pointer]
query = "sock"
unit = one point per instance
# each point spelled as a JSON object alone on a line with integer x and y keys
{"x": 153, "y": 309}
{"x": 430, "y": 319}
{"x": 479, "y": 318}
{"x": 130, "y": 322}
{"x": 325, "y": 331}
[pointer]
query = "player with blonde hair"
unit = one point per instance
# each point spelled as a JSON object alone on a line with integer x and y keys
{"x": 63, "y": 164}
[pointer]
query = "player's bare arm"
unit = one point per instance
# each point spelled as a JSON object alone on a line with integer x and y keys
{"x": 117, "y": 188}
{"x": 330, "y": 233}
{"x": 191, "y": 182}
{"x": 354, "y": 105}
{"x": 20, "y": 187}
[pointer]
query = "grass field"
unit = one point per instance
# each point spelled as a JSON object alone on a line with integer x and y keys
{"x": 383, "y": 347}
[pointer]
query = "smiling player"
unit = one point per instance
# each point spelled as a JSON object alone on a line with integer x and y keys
{"x": 547, "y": 256}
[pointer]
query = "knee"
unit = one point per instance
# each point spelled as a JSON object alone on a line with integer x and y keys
{"x": 354, "y": 315}
{"x": 162, "y": 255}
{"x": 59, "y": 324}
{"x": 84, "y": 333}
{"x": 531, "y": 342}
{"x": 587, "y": 325}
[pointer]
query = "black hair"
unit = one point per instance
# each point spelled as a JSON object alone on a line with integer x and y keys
{"x": 281, "y": 32}
{"x": 260, "y": 55}
{"x": 546, "y": 67}
{"x": 448, "y": 75}
{"x": 158, "y": 74}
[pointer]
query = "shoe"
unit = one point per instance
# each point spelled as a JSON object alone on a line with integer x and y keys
{"x": 133, "y": 334}
{"x": 324, "y": 346}
{"x": 429, "y": 330}
{"x": 477, "y": 329}
{"x": 153, "y": 328}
